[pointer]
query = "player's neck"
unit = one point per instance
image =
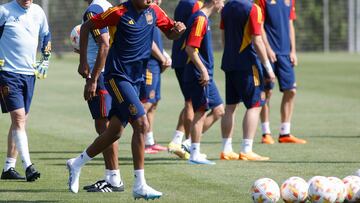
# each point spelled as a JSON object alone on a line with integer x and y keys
{"x": 137, "y": 8}
{"x": 208, "y": 9}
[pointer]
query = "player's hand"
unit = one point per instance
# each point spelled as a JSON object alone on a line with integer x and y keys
{"x": 42, "y": 66}
{"x": 293, "y": 58}
{"x": 179, "y": 27}
{"x": 90, "y": 89}
{"x": 84, "y": 70}
{"x": 204, "y": 78}
{"x": 166, "y": 63}
{"x": 271, "y": 77}
{"x": 271, "y": 55}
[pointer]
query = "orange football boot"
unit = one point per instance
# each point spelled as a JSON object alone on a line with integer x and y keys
{"x": 267, "y": 139}
{"x": 229, "y": 156}
{"x": 252, "y": 156}
{"x": 291, "y": 139}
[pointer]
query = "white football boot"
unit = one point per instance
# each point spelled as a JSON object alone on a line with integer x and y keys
{"x": 74, "y": 175}
{"x": 146, "y": 192}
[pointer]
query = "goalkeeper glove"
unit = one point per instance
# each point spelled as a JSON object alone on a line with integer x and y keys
{"x": 42, "y": 66}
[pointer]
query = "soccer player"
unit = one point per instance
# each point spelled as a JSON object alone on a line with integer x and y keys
{"x": 198, "y": 77}
{"x": 22, "y": 24}
{"x": 100, "y": 105}
{"x": 243, "y": 46}
{"x": 279, "y": 39}
{"x": 183, "y": 11}
{"x": 151, "y": 92}
{"x": 131, "y": 26}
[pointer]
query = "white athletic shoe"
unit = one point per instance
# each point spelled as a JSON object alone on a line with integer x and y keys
{"x": 146, "y": 192}
{"x": 74, "y": 175}
{"x": 200, "y": 160}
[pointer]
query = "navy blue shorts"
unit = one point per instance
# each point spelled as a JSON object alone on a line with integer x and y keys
{"x": 180, "y": 77}
{"x": 100, "y": 105}
{"x": 203, "y": 98}
{"x": 126, "y": 104}
{"x": 16, "y": 91}
{"x": 245, "y": 86}
{"x": 151, "y": 89}
{"x": 284, "y": 72}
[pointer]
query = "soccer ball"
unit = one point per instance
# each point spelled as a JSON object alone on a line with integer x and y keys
{"x": 352, "y": 184}
{"x": 75, "y": 37}
{"x": 339, "y": 188}
{"x": 265, "y": 190}
{"x": 321, "y": 190}
{"x": 294, "y": 190}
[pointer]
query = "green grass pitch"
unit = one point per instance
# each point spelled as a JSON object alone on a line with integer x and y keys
{"x": 327, "y": 114}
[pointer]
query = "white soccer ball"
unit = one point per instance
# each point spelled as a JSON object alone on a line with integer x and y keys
{"x": 75, "y": 37}
{"x": 265, "y": 190}
{"x": 339, "y": 188}
{"x": 321, "y": 190}
{"x": 294, "y": 190}
{"x": 352, "y": 184}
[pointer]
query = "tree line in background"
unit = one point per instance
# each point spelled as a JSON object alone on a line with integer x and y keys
{"x": 64, "y": 15}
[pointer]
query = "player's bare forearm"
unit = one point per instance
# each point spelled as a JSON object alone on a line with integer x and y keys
{"x": 269, "y": 51}
{"x": 293, "y": 56}
{"x": 264, "y": 37}
{"x": 104, "y": 46}
{"x": 156, "y": 52}
{"x": 292, "y": 37}
{"x": 261, "y": 52}
{"x": 194, "y": 57}
{"x": 84, "y": 37}
{"x": 176, "y": 32}
{"x": 260, "y": 48}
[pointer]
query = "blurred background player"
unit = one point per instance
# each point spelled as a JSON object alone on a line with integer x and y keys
{"x": 22, "y": 24}
{"x": 241, "y": 25}
{"x": 131, "y": 26}
{"x": 183, "y": 11}
{"x": 100, "y": 105}
{"x": 279, "y": 39}
{"x": 157, "y": 63}
{"x": 198, "y": 77}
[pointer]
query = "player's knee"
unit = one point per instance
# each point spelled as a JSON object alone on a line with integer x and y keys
{"x": 142, "y": 125}
{"x": 219, "y": 111}
{"x": 18, "y": 120}
{"x": 100, "y": 125}
{"x": 290, "y": 93}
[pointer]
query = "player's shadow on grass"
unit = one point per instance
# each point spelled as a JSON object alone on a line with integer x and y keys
{"x": 56, "y": 152}
{"x": 336, "y": 136}
{"x": 27, "y": 201}
{"x": 32, "y": 190}
{"x": 127, "y": 161}
{"x": 312, "y": 162}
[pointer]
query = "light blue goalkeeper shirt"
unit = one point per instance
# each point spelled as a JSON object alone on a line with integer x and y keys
{"x": 96, "y": 7}
{"x": 20, "y": 31}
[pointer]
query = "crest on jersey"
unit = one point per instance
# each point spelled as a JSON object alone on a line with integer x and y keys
{"x": 149, "y": 18}
{"x": 4, "y": 91}
{"x": 152, "y": 94}
{"x": 273, "y": 2}
{"x": 262, "y": 96}
{"x": 287, "y": 2}
{"x": 132, "y": 109}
